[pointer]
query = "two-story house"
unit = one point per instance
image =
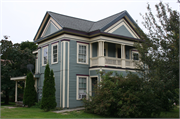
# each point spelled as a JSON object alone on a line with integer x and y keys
{"x": 76, "y": 49}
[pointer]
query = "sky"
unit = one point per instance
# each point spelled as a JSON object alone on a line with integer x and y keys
{"x": 20, "y": 19}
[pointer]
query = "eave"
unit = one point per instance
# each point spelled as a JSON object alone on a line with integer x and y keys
{"x": 85, "y": 34}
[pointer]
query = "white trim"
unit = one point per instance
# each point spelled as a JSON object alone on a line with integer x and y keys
{"x": 112, "y": 69}
{"x": 60, "y": 77}
{"x": 43, "y": 55}
{"x": 52, "y": 61}
{"x": 56, "y": 25}
{"x": 118, "y": 25}
{"x": 64, "y": 62}
{"x": 18, "y": 78}
{"x": 87, "y": 55}
{"x": 34, "y": 52}
{"x": 77, "y": 86}
{"x": 68, "y": 78}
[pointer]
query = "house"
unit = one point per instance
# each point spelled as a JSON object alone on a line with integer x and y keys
{"x": 76, "y": 49}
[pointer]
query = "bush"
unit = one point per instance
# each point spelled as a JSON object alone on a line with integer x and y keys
{"x": 29, "y": 97}
{"x": 37, "y": 104}
{"x": 123, "y": 97}
{"x": 48, "y": 95}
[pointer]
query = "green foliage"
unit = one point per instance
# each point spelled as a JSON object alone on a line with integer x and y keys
{"x": 48, "y": 95}
{"x": 30, "y": 45}
{"x": 13, "y": 63}
{"x": 160, "y": 53}
{"x": 37, "y": 104}
{"x": 29, "y": 92}
{"x": 123, "y": 97}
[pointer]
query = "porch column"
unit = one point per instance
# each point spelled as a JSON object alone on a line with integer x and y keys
{"x": 16, "y": 91}
{"x": 101, "y": 52}
{"x": 123, "y": 56}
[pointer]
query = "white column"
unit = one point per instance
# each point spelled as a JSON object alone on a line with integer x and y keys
{"x": 16, "y": 91}
{"x": 101, "y": 53}
{"x": 123, "y": 56}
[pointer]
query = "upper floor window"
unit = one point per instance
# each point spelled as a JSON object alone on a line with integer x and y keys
{"x": 54, "y": 53}
{"x": 44, "y": 55}
{"x": 82, "y": 53}
{"x": 135, "y": 56}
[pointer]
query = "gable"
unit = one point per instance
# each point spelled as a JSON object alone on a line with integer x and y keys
{"x": 50, "y": 27}
{"x": 122, "y": 28}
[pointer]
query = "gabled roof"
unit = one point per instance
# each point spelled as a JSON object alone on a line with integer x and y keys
{"x": 81, "y": 25}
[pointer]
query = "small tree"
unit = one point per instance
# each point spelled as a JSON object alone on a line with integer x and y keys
{"x": 48, "y": 95}
{"x": 29, "y": 92}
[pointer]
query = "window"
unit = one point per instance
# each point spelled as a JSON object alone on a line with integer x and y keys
{"x": 135, "y": 56}
{"x": 82, "y": 53}
{"x": 54, "y": 53}
{"x": 82, "y": 87}
{"x": 44, "y": 55}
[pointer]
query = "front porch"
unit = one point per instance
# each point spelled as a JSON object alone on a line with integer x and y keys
{"x": 115, "y": 55}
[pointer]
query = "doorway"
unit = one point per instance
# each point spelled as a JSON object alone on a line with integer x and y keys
{"x": 94, "y": 83}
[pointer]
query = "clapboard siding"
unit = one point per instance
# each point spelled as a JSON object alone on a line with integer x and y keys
{"x": 75, "y": 68}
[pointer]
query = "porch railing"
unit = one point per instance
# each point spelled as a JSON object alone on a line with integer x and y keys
{"x": 110, "y": 61}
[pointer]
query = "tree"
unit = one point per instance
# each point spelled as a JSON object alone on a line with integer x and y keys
{"x": 16, "y": 65}
{"x": 29, "y": 93}
{"x": 48, "y": 95}
{"x": 30, "y": 45}
{"x": 160, "y": 53}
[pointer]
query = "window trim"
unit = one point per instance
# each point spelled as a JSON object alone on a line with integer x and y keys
{"x": 87, "y": 60}
{"x": 135, "y": 52}
{"x": 77, "y": 86}
{"x": 43, "y": 55}
{"x": 52, "y": 61}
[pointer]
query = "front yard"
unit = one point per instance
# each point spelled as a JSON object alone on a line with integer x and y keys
{"x": 22, "y": 112}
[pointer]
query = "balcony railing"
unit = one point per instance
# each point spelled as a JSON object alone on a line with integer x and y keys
{"x": 110, "y": 61}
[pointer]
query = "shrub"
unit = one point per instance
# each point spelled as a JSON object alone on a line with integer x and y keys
{"x": 48, "y": 95}
{"x": 123, "y": 97}
{"x": 30, "y": 94}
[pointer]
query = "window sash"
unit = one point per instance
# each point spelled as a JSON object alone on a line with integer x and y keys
{"x": 45, "y": 50}
{"x": 82, "y": 54}
{"x": 54, "y": 59}
{"x": 82, "y": 87}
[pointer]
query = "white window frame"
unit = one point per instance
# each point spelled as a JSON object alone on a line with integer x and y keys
{"x": 52, "y": 60}
{"x": 135, "y": 52}
{"x": 87, "y": 60}
{"x": 77, "y": 86}
{"x": 43, "y": 55}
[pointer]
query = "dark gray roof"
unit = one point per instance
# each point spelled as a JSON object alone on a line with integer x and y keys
{"x": 71, "y": 22}
{"x": 81, "y": 24}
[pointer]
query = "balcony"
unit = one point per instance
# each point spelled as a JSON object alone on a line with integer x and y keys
{"x": 114, "y": 55}
{"x": 110, "y": 61}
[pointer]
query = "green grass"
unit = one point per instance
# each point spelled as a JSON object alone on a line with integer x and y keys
{"x": 22, "y": 112}
{"x": 10, "y": 104}
{"x": 171, "y": 114}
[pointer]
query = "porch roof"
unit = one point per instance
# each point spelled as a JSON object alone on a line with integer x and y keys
{"x": 20, "y": 78}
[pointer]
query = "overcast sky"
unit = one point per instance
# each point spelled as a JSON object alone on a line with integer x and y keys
{"x": 20, "y": 19}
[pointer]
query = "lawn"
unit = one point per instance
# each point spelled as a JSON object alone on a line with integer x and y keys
{"x": 22, "y": 112}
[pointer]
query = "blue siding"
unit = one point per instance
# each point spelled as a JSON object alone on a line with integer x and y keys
{"x": 111, "y": 50}
{"x": 123, "y": 31}
{"x": 75, "y": 68}
{"x": 94, "y": 49}
{"x": 54, "y": 67}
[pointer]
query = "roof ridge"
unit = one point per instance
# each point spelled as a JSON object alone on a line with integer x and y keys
{"x": 112, "y": 15}
{"x": 70, "y": 16}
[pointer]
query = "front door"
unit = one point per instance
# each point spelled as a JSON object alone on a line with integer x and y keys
{"x": 94, "y": 83}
